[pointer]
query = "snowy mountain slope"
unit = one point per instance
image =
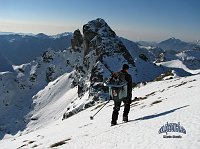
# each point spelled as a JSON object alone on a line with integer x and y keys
{"x": 187, "y": 60}
{"x": 153, "y": 55}
{"x": 190, "y": 58}
{"x": 17, "y": 88}
{"x": 186, "y": 52}
{"x": 157, "y": 103}
{"x": 55, "y": 96}
{"x": 178, "y": 64}
{"x": 135, "y": 49}
{"x": 145, "y": 61}
{"x": 33, "y": 90}
{"x": 51, "y": 103}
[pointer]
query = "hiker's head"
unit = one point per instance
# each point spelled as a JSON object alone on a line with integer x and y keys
{"x": 125, "y": 67}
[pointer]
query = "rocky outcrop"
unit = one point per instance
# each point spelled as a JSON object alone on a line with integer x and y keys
{"x": 97, "y": 27}
{"x": 48, "y": 56}
{"x": 77, "y": 40}
{"x": 93, "y": 33}
{"x": 99, "y": 37}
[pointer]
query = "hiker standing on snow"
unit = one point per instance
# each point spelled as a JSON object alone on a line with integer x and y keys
{"x": 126, "y": 100}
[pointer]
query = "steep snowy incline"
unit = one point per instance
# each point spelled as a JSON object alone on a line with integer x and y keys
{"x": 51, "y": 102}
{"x": 17, "y": 88}
{"x": 157, "y": 103}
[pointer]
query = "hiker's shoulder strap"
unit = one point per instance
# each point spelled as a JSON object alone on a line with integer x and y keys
{"x": 122, "y": 74}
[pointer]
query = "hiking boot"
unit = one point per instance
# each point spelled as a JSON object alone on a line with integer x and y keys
{"x": 113, "y": 123}
{"x": 125, "y": 119}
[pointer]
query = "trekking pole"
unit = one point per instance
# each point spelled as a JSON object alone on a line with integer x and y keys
{"x": 92, "y": 117}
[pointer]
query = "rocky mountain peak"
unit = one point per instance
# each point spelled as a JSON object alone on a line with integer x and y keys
{"x": 172, "y": 40}
{"x": 42, "y": 35}
{"x": 100, "y": 39}
{"x": 97, "y": 27}
{"x": 175, "y": 44}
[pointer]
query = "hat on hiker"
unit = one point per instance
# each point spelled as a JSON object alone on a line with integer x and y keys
{"x": 125, "y": 67}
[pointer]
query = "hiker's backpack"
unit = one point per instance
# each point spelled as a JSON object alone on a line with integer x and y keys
{"x": 117, "y": 86}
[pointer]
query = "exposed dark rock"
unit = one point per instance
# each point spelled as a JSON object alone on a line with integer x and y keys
{"x": 48, "y": 56}
{"x": 93, "y": 32}
{"x": 33, "y": 77}
{"x": 143, "y": 56}
{"x": 77, "y": 40}
{"x": 49, "y": 73}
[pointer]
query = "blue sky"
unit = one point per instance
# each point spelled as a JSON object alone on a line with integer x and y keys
{"x": 152, "y": 20}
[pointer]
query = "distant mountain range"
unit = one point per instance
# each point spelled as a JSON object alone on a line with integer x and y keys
{"x": 190, "y": 57}
{"x": 172, "y": 44}
{"x": 23, "y": 48}
{"x": 19, "y": 48}
{"x": 176, "y": 45}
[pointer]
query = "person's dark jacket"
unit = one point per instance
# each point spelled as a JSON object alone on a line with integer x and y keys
{"x": 128, "y": 78}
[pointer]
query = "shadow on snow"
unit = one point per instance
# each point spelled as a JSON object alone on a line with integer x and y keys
{"x": 159, "y": 114}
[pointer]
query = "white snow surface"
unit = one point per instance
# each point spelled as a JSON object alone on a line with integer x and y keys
{"x": 172, "y": 101}
{"x": 178, "y": 64}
